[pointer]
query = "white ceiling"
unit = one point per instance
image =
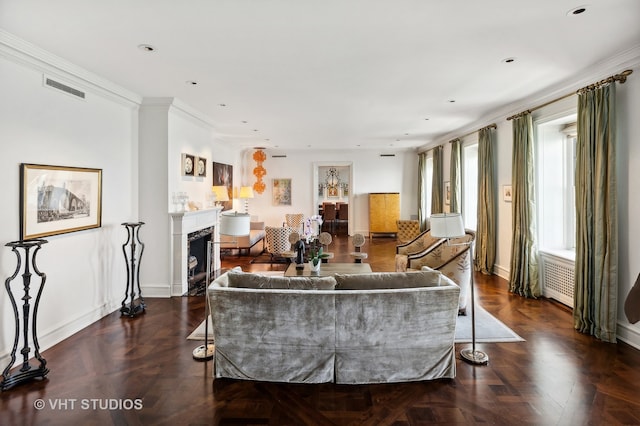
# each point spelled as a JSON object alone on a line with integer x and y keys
{"x": 331, "y": 73}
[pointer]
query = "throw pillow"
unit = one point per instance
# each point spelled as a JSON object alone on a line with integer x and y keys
{"x": 247, "y": 280}
{"x": 387, "y": 280}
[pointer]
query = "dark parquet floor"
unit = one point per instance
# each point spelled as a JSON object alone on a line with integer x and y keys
{"x": 124, "y": 371}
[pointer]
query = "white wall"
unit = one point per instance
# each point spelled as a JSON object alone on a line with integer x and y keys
{"x": 371, "y": 173}
{"x": 85, "y": 270}
{"x": 169, "y": 128}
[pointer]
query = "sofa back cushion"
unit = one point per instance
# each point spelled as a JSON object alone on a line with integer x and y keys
{"x": 247, "y": 280}
{"x": 387, "y": 280}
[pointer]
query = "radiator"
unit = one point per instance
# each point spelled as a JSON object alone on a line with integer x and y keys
{"x": 557, "y": 278}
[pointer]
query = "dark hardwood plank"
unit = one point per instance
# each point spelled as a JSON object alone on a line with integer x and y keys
{"x": 558, "y": 376}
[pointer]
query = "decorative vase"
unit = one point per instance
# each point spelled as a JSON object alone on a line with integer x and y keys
{"x": 316, "y": 267}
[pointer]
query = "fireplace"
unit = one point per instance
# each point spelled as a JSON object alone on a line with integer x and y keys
{"x": 191, "y": 231}
{"x": 197, "y": 243}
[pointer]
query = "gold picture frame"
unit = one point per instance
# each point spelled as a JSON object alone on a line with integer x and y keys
{"x": 58, "y": 199}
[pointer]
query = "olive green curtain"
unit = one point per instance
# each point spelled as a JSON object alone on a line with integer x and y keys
{"x": 436, "y": 182}
{"x": 596, "y": 286}
{"x": 523, "y": 278}
{"x": 485, "y": 252}
{"x": 454, "y": 176}
{"x": 422, "y": 191}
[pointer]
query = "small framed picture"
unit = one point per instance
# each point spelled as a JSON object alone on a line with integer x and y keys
{"x": 188, "y": 165}
{"x": 201, "y": 167}
{"x": 507, "y": 193}
{"x": 447, "y": 193}
{"x": 281, "y": 192}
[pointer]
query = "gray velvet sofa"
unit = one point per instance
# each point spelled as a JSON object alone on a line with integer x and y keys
{"x": 371, "y": 328}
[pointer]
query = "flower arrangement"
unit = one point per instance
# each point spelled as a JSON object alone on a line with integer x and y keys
{"x": 312, "y": 227}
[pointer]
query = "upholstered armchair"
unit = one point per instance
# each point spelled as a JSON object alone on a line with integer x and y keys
{"x": 295, "y": 221}
{"x": 452, "y": 258}
{"x": 418, "y": 244}
{"x": 408, "y": 230}
{"x": 278, "y": 241}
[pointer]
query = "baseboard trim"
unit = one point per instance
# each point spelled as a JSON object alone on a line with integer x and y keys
{"x": 155, "y": 290}
{"x": 49, "y": 338}
{"x": 629, "y": 334}
{"x": 501, "y": 272}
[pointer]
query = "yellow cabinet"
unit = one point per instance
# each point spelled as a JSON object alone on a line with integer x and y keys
{"x": 384, "y": 211}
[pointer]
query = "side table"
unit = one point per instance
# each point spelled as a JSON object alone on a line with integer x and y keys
{"x": 132, "y": 260}
{"x": 29, "y": 316}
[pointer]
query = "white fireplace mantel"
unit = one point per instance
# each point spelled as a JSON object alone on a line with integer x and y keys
{"x": 182, "y": 224}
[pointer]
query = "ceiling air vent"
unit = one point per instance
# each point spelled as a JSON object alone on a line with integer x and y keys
{"x": 279, "y": 156}
{"x": 387, "y": 155}
{"x": 63, "y": 87}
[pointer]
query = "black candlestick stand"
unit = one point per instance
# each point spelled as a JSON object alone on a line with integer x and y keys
{"x": 27, "y": 372}
{"x": 133, "y": 270}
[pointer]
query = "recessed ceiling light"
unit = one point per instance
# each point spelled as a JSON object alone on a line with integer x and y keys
{"x": 577, "y": 10}
{"x": 255, "y": 130}
{"x": 426, "y": 119}
{"x": 146, "y": 47}
{"x": 406, "y": 134}
{"x": 451, "y": 101}
{"x": 269, "y": 140}
{"x": 222, "y": 105}
{"x": 244, "y": 121}
{"x": 509, "y": 60}
{"x": 191, "y": 82}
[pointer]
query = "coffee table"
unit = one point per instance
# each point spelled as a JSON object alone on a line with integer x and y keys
{"x": 328, "y": 269}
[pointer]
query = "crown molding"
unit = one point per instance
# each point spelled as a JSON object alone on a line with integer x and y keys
{"x": 21, "y": 51}
{"x": 184, "y": 109}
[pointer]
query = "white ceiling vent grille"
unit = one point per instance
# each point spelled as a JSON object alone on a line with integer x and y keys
{"x": 63, "y": 87}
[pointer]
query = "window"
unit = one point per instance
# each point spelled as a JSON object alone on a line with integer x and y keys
{"x": 470, "y": 185}
{"x": 555, "y": 148}
{"x": 427, "y": 185}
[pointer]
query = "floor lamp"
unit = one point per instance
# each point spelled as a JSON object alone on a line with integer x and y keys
{"x": 233, "y": 224}
{"x": 449, "y": 225}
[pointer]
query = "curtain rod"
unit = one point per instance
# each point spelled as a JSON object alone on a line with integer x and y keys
{"x": 622, "y": 77}
{"x": 490, "y": 126}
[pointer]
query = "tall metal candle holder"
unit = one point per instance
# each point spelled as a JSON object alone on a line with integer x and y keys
{"x": 29, "y": 316}
{"x": 132, "y": 260}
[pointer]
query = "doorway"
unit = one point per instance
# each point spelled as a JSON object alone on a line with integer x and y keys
{"x": 333, "y": 182}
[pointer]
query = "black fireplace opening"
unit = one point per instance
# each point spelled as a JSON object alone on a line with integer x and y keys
{"x": 197, "y": 243}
